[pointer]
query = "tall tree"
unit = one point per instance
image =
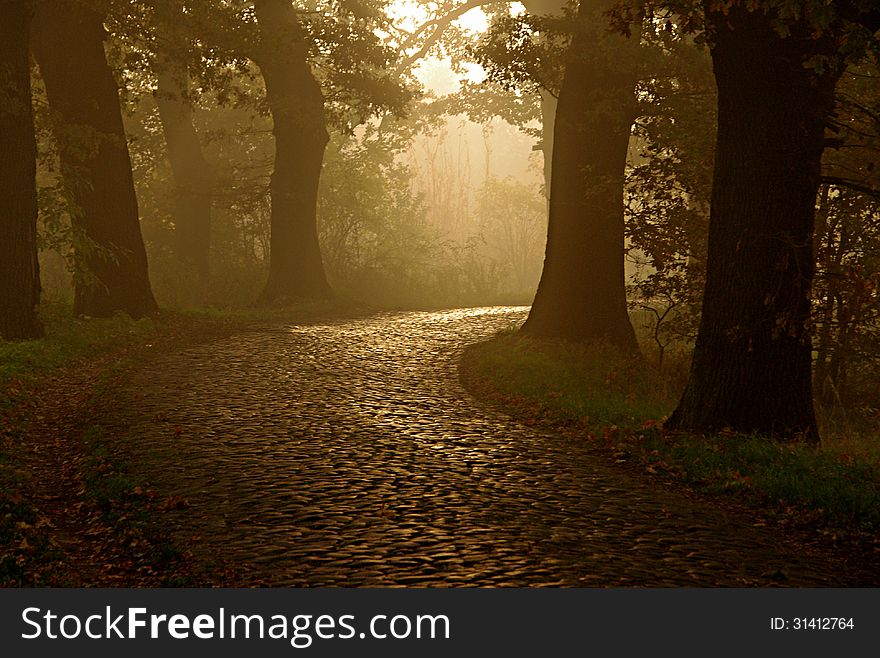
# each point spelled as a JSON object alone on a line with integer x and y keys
{"x": 111, "y": 263}
{"x": 19, "y": 268}
{"x": 582, "y": 294}
{"x": 296, "y": 102}
{"x": 776, "y": 73}
{"x": 194, "y": 178}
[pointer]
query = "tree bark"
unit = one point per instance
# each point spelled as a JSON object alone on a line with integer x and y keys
{"x": 751, "y": 369}
{"x": 194, "y": 178}
{"x": 548, "y": 101}
{"x": 111, "y": 262}
{"x": 296, "y": 269}
{"x": 582, "y": 293}
{"x": 19, "y": 266}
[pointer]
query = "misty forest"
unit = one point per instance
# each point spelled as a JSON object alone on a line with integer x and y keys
{"x": 440, "y": 293}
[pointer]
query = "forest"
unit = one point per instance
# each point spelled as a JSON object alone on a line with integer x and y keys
{"x": 252, "y": 250}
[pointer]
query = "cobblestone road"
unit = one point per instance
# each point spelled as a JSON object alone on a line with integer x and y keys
{"x": 347, "y": 453}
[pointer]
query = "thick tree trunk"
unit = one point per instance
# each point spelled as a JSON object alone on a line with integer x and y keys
{"x": 19, "y": 267}
{"x": 111, "y": 263}
{"x": 193, "y": 176}
{"x": 582, "y": 293}
{"x": 296, "y": 269}
{"x": 751, "y": 369}
{"x": 549, "y": 106}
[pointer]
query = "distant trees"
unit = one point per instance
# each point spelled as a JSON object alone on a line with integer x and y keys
{"x": 19, "y": 268}
{"x": 111, "y": 262}
{"x": 322, "y": 68}
{"x": 301, "y": 74}
{"x": 194, "y": 178}
{"x": 846, "y": 311}
{"x": 514, "y": 221}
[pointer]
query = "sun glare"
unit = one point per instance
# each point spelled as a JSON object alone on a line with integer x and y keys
{"x": 474, "y": 21}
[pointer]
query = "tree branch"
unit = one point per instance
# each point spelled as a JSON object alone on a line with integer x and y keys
{"x": 852, "y": 185}
{"x": 440, "y": 25}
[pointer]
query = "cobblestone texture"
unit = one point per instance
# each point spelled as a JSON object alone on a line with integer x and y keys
{"x": 347, "y": 453}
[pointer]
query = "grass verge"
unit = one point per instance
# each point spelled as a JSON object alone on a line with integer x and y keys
{"x": 132, "y": 511}
{"x": 618, "y": 405}
{"x": 25, "y": 549}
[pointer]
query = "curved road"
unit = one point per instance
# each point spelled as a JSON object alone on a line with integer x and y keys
{"x": 347, "y": 453}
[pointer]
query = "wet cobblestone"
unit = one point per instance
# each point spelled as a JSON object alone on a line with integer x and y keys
{"x": 347, "y": 453}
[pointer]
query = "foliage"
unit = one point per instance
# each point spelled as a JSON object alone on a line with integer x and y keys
{"x": 514, "y": 228}
{"x": 669, "y": 173}
{"x": 525, "y": 52}
{"x": 847, "y": 297}
{"x": 853, "y": 159}
{"x": 372, "y": 228}
{"x": 397, "y": 227}
{"x": 132, "y": 510}
{"x": 667, "y": 216}
{"x": 852, "y": 22}
{"x": 667, "y": 195}
{"x": 24, "y": 543}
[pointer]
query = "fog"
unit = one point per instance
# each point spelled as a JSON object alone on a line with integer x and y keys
{"x": 438, "y": 293}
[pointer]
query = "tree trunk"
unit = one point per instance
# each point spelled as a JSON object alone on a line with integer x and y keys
{"x": 549, "y": 106}
{"x": 111, "y": 263}
{"x": 751, "y": 370}
{"x": 548, "y": 101}
{"x": 19, "y": 267}
{"x": 582, "y": 293}
{"x": 296, "y": 269}
{"x": 193, "y": 176}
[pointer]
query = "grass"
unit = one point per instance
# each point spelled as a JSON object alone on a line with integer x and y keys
{"x": 619, "y": 405}
{"x": 67, "y": 340}
{"x": 26, "y": 555}
{"x": 132, "y": 510}
{"x": 851, "y": 433}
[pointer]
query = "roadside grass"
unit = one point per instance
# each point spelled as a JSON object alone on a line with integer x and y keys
{"x": 68, "y": 339}
{"x": 619, "y": 405}
{"x": 24, "y": 544}
{"x": 851, "y": 433}
{"x": 133, "y": 511}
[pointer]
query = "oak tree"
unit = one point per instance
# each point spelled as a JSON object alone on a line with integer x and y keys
{"x": 111, "y": 262}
